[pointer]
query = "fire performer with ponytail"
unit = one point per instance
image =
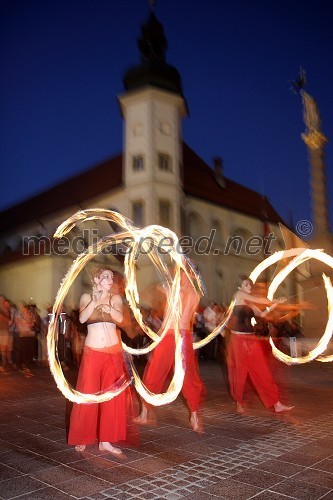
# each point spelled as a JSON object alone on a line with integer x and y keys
{"x": 245, "y": 353}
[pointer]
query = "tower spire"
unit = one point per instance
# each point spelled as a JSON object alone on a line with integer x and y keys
{"x": 153, "y": 69}
{"x": 152, "y": 5}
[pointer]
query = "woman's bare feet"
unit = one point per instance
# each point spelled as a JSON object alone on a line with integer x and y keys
{"x": 26, "y": 373}
{"x": 80, "y": 447}
{"x": 280, "y": 408}
{"x": 142, "y": 419}
{"x": 240, "y": 408}
{"x": 106, "y": 446}
{"x": 194, "y": 421}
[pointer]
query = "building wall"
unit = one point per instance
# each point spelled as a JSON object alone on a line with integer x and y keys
{"x": 223, "y": 265}
{"x": 30, "y": 280}
{"x": 220, "y": 267}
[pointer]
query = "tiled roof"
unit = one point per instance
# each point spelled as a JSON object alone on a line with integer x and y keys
{"x": 199, "y": 181}
{"x": 74, "y": 191}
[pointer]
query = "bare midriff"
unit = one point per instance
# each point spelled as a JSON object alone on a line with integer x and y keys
{"x": 103, "y": 337}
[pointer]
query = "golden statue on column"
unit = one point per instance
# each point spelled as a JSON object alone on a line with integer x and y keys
{"x": 315, "y": 141}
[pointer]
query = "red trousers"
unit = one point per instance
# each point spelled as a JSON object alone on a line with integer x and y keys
{"x": 246, "y": 357}
{"x": 161, "y": 362}
{"x": 104, "y": 421}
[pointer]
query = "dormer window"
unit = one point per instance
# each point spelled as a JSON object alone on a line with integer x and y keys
{"x": 138, "y": 163}
{"x": 164, "y": 162}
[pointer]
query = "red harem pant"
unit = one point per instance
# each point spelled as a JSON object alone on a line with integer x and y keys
{"x": 161, "y": 362}
{"x": 246, "y": 357}
{"x": 104, "y": 421}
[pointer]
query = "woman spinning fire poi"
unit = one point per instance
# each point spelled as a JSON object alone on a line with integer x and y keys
{"x": 102, "y": 366}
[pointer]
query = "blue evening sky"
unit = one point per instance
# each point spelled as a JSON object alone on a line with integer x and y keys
{"x": 63, "y": 63}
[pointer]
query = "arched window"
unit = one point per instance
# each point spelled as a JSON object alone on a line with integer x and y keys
{"x": 195, "y": 226}
{"x": 240, "y": 241}
{"x": 218, "y": 241}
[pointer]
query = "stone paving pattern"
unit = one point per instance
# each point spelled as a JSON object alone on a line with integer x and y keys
{"x": 258, "y": 455}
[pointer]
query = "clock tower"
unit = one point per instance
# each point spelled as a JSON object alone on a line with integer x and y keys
{"x": 153, "y": 107}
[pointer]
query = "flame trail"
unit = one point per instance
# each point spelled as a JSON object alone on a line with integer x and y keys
{"x": 137, "y": 241}
{"x": 300, "y": 255}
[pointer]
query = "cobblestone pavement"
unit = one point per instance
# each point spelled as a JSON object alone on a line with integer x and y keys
{"x": 257, "y": 455}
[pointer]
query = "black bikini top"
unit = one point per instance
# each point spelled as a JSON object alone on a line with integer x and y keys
{"x": 242, "y": 318}
{"x": 101, "y": 314}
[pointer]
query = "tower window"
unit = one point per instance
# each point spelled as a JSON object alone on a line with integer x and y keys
{"x": 165, "y": 213}
{"x": 164, "y": 162}
{"x": 138, "y": 213}
{"x": 138, "y": 163}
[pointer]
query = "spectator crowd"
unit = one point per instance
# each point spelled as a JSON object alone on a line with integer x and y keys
{"x": 23, "y": 332}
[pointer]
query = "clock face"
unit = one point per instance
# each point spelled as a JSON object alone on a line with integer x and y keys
{"x": 138, "y": 129}
{"x": 165, "y": 128}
